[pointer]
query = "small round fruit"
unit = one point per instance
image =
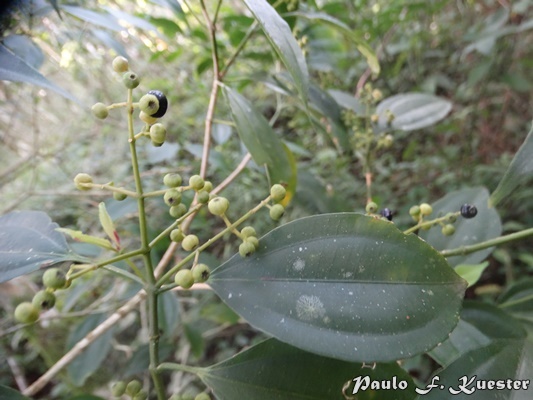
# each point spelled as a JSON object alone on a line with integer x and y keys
{"x": 387, "y": 213}
{"x": 248, "y": 231}
{"x": 176, "y": 235}
{"x": 120, "y": 64}
{"x": 149, "y": 104}
{"x": 371, "y": 208}
{"x": 218, "y": 206}
{"x": 162, "y": 101}
{"x": 142, "y": 395}
{"x": 131, "y": 80}
{"x": 208, "y": 186}
{"x": 158, "y": 133}
{"x": 277, "y": 193}
{"x": 196, "y": 182}
{"x": 451, "y": 217}
{"x": 190, "y": 242}
{"x": 172, "y": 197}
{"x": 277, "y": 211}
{"x": 200, "y": 273}
{"x": 133, "y": 387}
{"x": 26, "y": 313}
{"x": 203, "y": 196}
{"x": 43, "y": 300}
{"x": 100, "y": 110}
{"x": 178, "y": 211}
{"x": 83, "y": 181}
{"x": 253, "y": 240}
{"x": 448, "y": 230}
{"x": 246, "y": 249}
{"x": 184, "y": 278}
{"x": 172, "y": 180}
{"x": 118, "y": 388}
{"x": 202, "y": 396}
{"x": 425, "y": 209}
{"x": 414, "y": 211}
{"x": 119, "y": 196}
{"x": 147, "y": 118}
{"x": 54, "y": 278}
{"x": 468, "y": 211}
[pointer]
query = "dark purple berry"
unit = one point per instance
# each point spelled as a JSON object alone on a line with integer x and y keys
{"x": 163, "y": 103}
{"x": 468, "y": 211}
{"x": 387, "y": 213}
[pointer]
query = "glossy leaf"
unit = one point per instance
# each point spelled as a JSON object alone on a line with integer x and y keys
{"x": 346, "y": 286}
{"x": 272, "y": 370}
{"x": 411, "y": 111}
{"x": 471, "y": 273}
{"x": 264, "y": 145}
{"x": 280, "y": 36}
{"x": 486, "y": 225}
{"x": 29, "y": 241}
{"x": 7, "y": 393}
{"x": 521, "y": 167}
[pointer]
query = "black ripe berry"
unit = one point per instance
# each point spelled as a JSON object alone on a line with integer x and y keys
{"x": 387, "y": 213}
{"x": 163, "y": 103}
{"x": 468, "y": 211}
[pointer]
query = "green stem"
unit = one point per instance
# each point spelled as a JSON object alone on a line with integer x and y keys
{"x": 238, "y": 50}
{"x": 107, "y": 262}
{"x": 167, "y": 231}
{"x": 423, "y": 224}
{"x": 463, "y": 250}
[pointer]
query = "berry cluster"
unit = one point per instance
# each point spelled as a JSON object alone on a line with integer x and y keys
{"x": 419, "y": 212}
{"x": 132, "y": 389}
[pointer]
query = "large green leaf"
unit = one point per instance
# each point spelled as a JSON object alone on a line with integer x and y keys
{"x": 280, "y": 36}
{"x": 273, "y": 370}
{"x": 264, "y": 145}
{"x": 486, "y": 225}
{"x": 7, "y": 393}
{"x": 411, "y": 111}
{"x": 518, "y": 299}
{"x": 96, "y": 18}
{"x": 346, "y": 286}
{"x": 521, "y": 167}
{"x": 29, "y": 241}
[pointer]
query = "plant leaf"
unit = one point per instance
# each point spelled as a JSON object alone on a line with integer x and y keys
{"x": 518, "y": 299}
{"x": 346, "y": 286}
{"x": 348, "y": 101}
{"x": 29, "y": 241}
{"x": 411, "y": 111}
{"x": 275, "y": 370}
{"x": 521, "y": 167}
{"x": 471, "y": 273}
{"x": 280, "y": 36}
{"x": 100, "y": 19}
{"x": 486, "y": 225}
{"x": 81, "y": 237}
{"x": 7, "y": 393}
{"x": 108, "y": 225}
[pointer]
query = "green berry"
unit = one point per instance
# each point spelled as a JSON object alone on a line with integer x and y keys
{"x": 451, "y": 217}
{"x": 172, "y": 180}
{"x": 178, "y": 211}
{"x": 142, "y": 395}
{"x": 54, "y": 278}
{"x": 120, "y": 64}
{"x": 133, "y": 387}
{"x": 43, "y": 300}
{"x": 26, "y": 313}
{"x": 162, "y": 103}
{"x": 119, "y": 196}
{"x": 176, "y": 235}
{"x": 202, "y": 396}
{"x": 371, "y": 208}
{"x": 277, "y": 193}
{"x": 448, "y": 230}
{"x": 147, "y": 118}
{"x": 277, "y": 211}
{"x": 149, "y": 104}
{"x": 118, "y": 389}
{"x": 196, "y": 182}
{"x": 100, "y": 110}
{"x": 253, "y": 240}
{"x": 82, "y": 181}
{"x": 203, "y": 196}
{"x": 208, "y": 186}
{"x": 184, "y": 278}
{"x": 414, "y": 211}
{"x": 246, "y": 249}
{"x": 248, "y": 231}
{"x": 218, "y": 206}
{"x": 190, "y": 242}
{"x": 158, "y": 133}
{"x": 131, "y": 80}
{"x": 172, "y": 197}
{"x": 200, "y": 273}
{"x": 425, "y": 209}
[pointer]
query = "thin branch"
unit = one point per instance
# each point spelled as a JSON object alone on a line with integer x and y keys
{"x": 234, "y": 174}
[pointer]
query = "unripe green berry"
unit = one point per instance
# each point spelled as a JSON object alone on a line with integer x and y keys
{"x": 277, "y": 193}
{"x": 118, "y": 388}
{"x": 54, "y": 278}
{"x": 371, "y": 208}
{"x": 26, "y": 313}
{"x": 218, "y": 206}
{"x": 196, "y": 182}
{"x": 131, "y": 80}
{"x": 246, "y": 249}
{"x": 178, "y": 211}
{"x": 451, "y": 217}
{"x": 149, "y": 104}
{"x": 184, "y": 278}
{"x": 133, "y": 387}
{"x": 119, "y": 196}
{"x": 208, "y": 186}
{"x": 43, "y": 300}
{"x": 142, "y": 395}
{"x": 203, "y": 197}
{"x": 248, "y": 231}
{"x": 100, "y": 110}
{"x": 82, "y": 180}
{"x": 414, "y": 211}
{"x": 190, "y": 242}
{"x": 448, "y": 230}
{"x": 202, "y": 396}
{"x": 147, "y": 118}
{"x": 425, "y": 209}
{"x": 200, "y": 273}
{"x": 253, "y": 240}
{"x": 176, "y": 235}
{"x": 120, "y": 64}
{"x": 172, "y": 197}
{"x": 158, "y": 133}
{"x": 172, "y": 180}
{"x": 277, "y": 211}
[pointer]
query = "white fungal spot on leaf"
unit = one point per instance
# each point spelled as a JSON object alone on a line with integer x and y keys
{"x": 309, "y": 308}
{"x": 299, "y": 264}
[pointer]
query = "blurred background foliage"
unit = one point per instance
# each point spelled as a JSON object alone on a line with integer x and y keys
{"x": 477, "y": 54}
